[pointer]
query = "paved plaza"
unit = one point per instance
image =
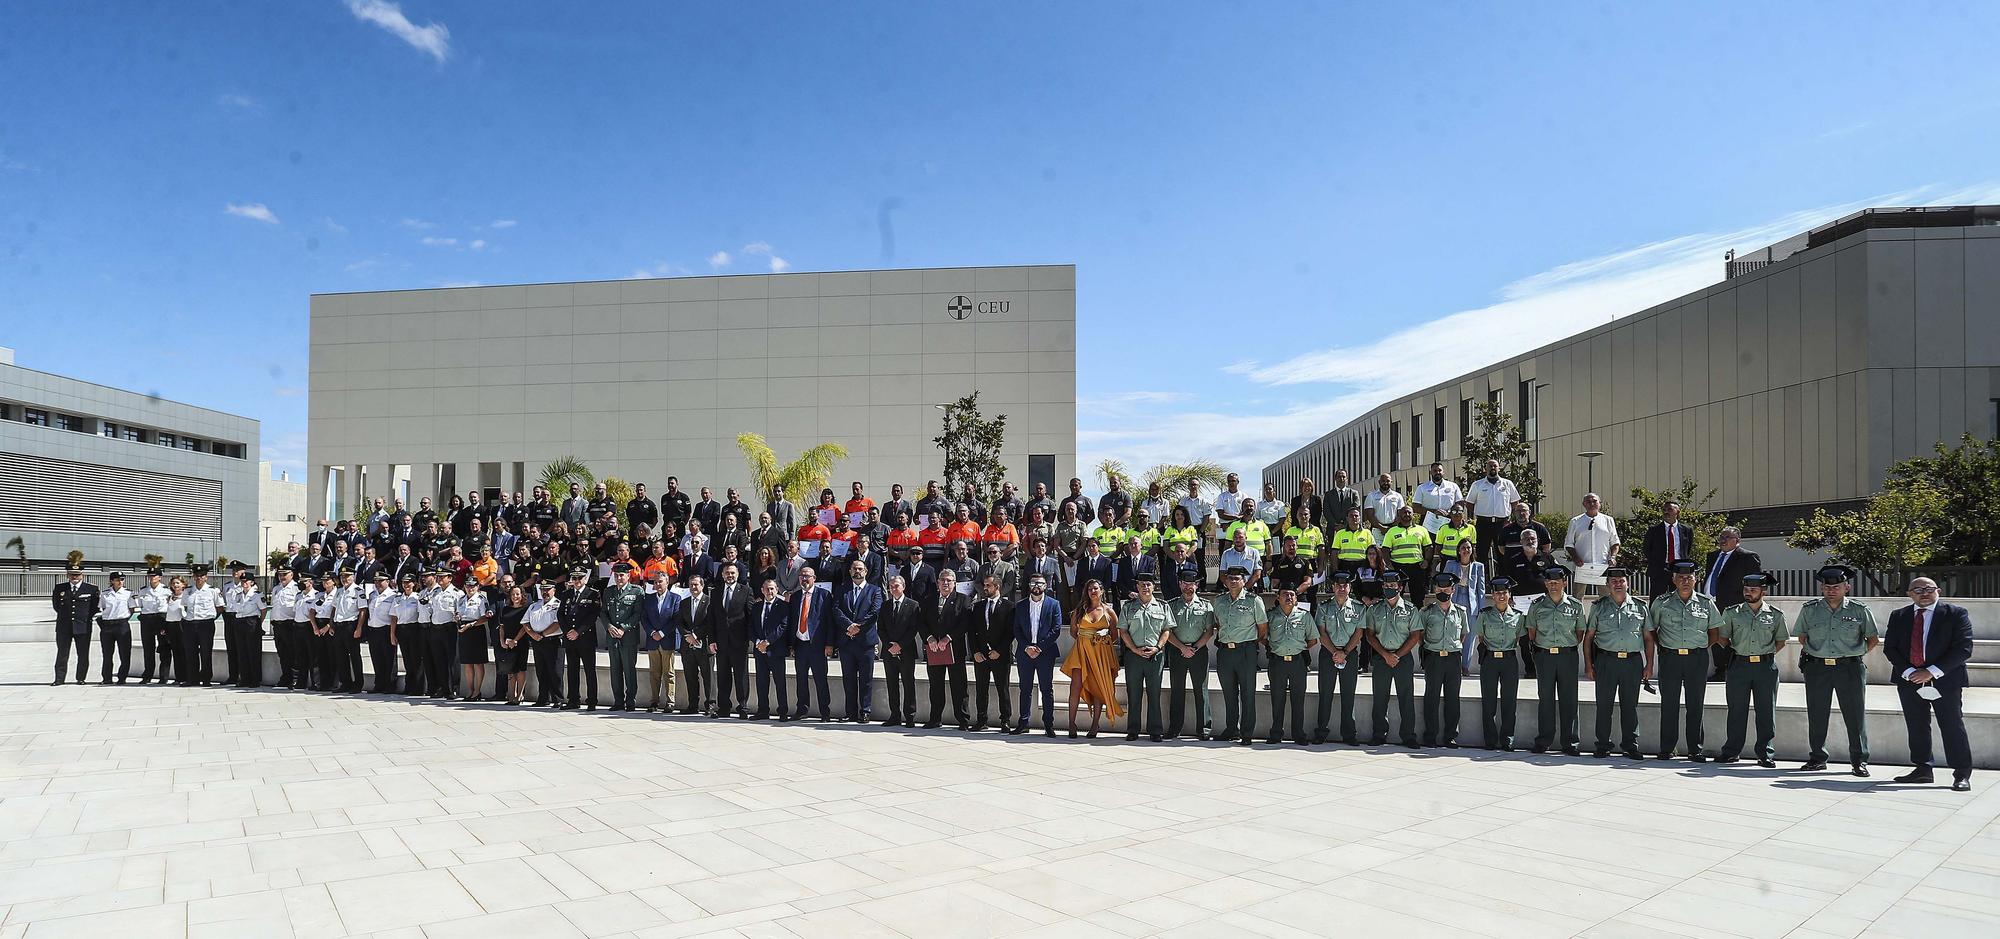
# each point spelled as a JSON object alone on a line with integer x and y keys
{"x": 145, "y": 811}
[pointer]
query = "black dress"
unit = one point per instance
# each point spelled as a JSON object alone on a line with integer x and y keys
{"x": 472, "y": 646}
{"x": 511, "y": 661}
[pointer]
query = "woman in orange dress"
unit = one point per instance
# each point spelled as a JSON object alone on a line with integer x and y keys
{"x": 1093, "y": 658}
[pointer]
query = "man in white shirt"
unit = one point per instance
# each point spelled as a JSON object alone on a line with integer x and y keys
{"x": 114, "y": 627}
{"x": 150, "y": 602}
{"x": 1593, "y": 536}
{"x": 1198, "y": 510}
{"x": 381, "y": 651}
{"x": 247, "y": 651}
{"x": 545, "y": 626}
{"x": 1240, "y": 554}
{"x": 1158, "y": 505}
{"x": 441, "y": 636}
{"x": 284, "y": 628}
{"x": 1381, "y": 505}
{"x": 1272, "y": 510}
{"x": 1436, "y": 497}
{"x": 1228, "y": 502}
{"x": 1492, "y": 497}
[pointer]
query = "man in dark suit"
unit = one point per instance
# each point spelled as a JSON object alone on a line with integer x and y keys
{"x": 1669, "y": 542}
{"x": 900, "y": 619}
{"x": 729, "y": 642}
{"x": 920, "y": 579}
{"x": 405, "y": 564}
{"x": 992, "y": 636}
{"x": 1928, "y": 644}
{"x": 1040, "y": 561}
{"x": 946, "y": 620}
{"x": 770, "y": 630}
{"x": 1090, "y": 566}
{"x": 784, "y": 515}
{"x": 1037, "y": 625}
{"x": 810, "y": 643}
{"x": 857, "y": 611}
{"x": 75, "y": 605}
{"x": 1723, "y": 582}
{"x": 1126, "y": 570}
{"x": 697, "y": 663}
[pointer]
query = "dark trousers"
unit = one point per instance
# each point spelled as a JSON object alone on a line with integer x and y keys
{"x": 1488, "y": 532}
{"x": 812, "y": 665}
{"x": 1142, "y": 689}
{"x": 857, "y": 679}
{"x": 1288, "y": 697}
{"x": 173, "y": 653}
{"x": 1442, "y": 671}
{"x": 1682, "y": 677}
{"x": 350, "y": 656}
{"x": 416, "y": 648}
{"x": 581, "y": 658}
{"x": 1951, "y": 726}
{"x": 115, "y": 637}
{"x": 1847, "y": 680}
{"x": 153, "y": 646}
{"x": 1618, "y": 682}
{"x": 1555, "y": 690}
{"x": 940, "y": 676}
{"x": 440, "y": 653}
{"x": 698, "y": 674}
{"x": 1416, "y": 579}
{"x": 197, "y": 651}
{"x": 66, "y": 641}
{"x": 1499, "y": 690}
{"x": 992, "y": 671}
{"x": 770, "y": 671}
{"x": 1337, "y": 683}
{"x": 229, "y": 648}
{"x": 1401, "y": 679}
{"x": 1720, "y": 659}
{"x": 284, "y": 639}
{"x": 383, "y": 656}
{"x": 320, "y": 654}
{"x": 901, "y": 673}
{"x": 1040, "y": 672}
{"x": 246, "y": 652}
{"x": 732, "y": 681}
{"x": 1236, "y": 672}
{"x": 1748, "y": 683}
{"x": 548, "y": 670}
{"x": 1181, "y": 672}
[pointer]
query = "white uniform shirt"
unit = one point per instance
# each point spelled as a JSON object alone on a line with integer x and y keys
{"x": 473, "y": 606}
{"x": 149, "y": 600}
{"x": 1158, "y": 510}
{"x": 1273, "y": 512}
{"x": 1494, "y": 499}
{"x": 445, "y": 603}
{"x": 285, "y": 602}
{"x": 1385, "y": 504}
{"x": 542, "y": 616}
{"x": 347, "y": 603}
{"x": 1439, "y": 497}
{"x": 381, "y": 606}
{"x": 1229, "y": 502}
{"x": 1197, "y": 508}
{"x": 1592, "y": 538}
{"x": 201, "y": 602}
{"x": 249, "y": 602}
{"x": 114, "y": 605}
{"x": 406, "y": 609}
{"x": 306, "y": 605}
{"x": 425, "y": 613}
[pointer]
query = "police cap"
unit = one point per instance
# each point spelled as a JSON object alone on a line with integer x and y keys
{"x": 1444, "y": 579}
{"x": 1755, "y": 579}
{"x": 1498, "y": 584}
{"x": 1835, "y": 574}
{"x": 1683, "y": 567}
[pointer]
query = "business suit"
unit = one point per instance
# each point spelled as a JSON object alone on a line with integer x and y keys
{"x": 771, "y": 623}
{"x": 784, "y": 517}
{"x": 992, "y": 636}
{"x": 1722, "y": 579}
{"x": 900, "y": 619}
{"x": 661, "y": 614}
{"x": 76, "y": 608}
{"x": 1012, "y": 584}
{"x": 729, "y": 633}
{"x": 1047, "y": 566}
{"x": 1946, "y": 648}
{"x": 697, "y": 664}
{"x": 1089, "y": 568}
{"x": 1659, "y": 578}
{"x": 808, "y": 616}
{"x": 1125, "y": 575}
{"x": 920, "y": 580}
{"x": 948, "y": 619}
{"x": 1039, "y": 670}
{"x": 857, "y": 606}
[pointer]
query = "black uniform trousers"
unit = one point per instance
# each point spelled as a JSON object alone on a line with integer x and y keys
{"x": 900, "y": 672}
{"x": 1182, "y": 671}
{"x": 698, "y": 674}
{"x": 1618, "y": 681}
{"x": 1917, "y": 720}
{"x": 580, "y": 656}
{"x": 1337, "y": 683}
{"x": 992, "y": 671}
{"x": 1442, "y": 671}
{"x": 229, "y": 647}
{"x": 350, "y": 648}
{"x": 1750, "y": 683}
{"x": 1288, "y": 696}
{"x": 154, "y": 647}
{"x": 732, "y": 680}
{"x": 1487, "y": 531}
{"x": 440, "y": 654}
{"x": 1499, "y": 696}
{"x": 1401, "y": 679}
{"x": 284, "y": 639}
{"x": 771, "y": 671}
{"x": 66, "y": 641}
{"x": 1555, "y": 691}
{"x": 246, "y": 652}
{"x": 197, "y": 651}
{"x": 382, "y": 656}
{"x": 412, "y": 639}
{"x": 173, "y": 638}
{"x": 548, "y": 669}
{"x": 115, "y": 636}
{"x": 940, "y": 676}
{"x": 1682, "y": 677}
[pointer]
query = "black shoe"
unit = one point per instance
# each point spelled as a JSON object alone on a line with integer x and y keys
{"x": 1319, "y": 737}
{"x": 932, "y": 725}
{"x": 1726, "y": 760}
{"x": 1243, "y": 741}
{"x": 1768, "y": 763}
{"x": 893, "y": 722}
{"x": 1572, "y": 751}
{"x": 1379, "y": 742}
{"x": 799, "y": 715}
{"x": 1860, "y": 769}
{"x": 1813, "y": 766}
{"x": 1601, "y": 752}
{"x": 1698, "y": 756}
{"x": 1156, "y": 738}
{"x": 1350, "y": 741}
{"x": 1412, "y": 744}
{"x": 1202, "y": 736}
{"x": 1916, "y": 776}
{"x": 55, "y": 683}
{"x": 1131, "y": 736}
{"x": 1961, "y": 785}
{"x": 979, "y": 725}
{"x": 1451, "y": 744}
{"x": 1226, "y": 734}
{"x": 1507, "y": 746}
{"x": 1051, "y": 731}
{"x": 1663, "y": 756}
{"x": 762, "y": 716}
{"x": 1632, "y": 753}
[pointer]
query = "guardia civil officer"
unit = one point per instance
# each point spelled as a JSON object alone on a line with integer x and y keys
{"x": 1755, "y": 632}
{"x": 1393, "y": 633}
{"x": 114, "y": 627}
{"x": 1192, "y": 639}
{"x": 75, "y": 604}
{"x": 1614, "y": 637}
{"x": 1443, "y": 624}
{"x": 1496, "y": 635}
{"x": 1291, "y": 637}
{"x": 1836, "y": 633}
{"x": 1340, "y": 618}
{"x": 1141, "y": 625}
{"x": 1680, "y": 626}
{"x": 1555, "y": 630}
{"x": 1241, "y": 620}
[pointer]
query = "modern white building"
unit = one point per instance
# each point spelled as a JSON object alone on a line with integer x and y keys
{"x": 432, "y": 392}
{"x": 119, "y": 475}
{"x": 281, "y": 511}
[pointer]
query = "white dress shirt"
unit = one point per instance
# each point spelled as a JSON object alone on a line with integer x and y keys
{"x": 1494, "y": 498}
{"x": 1197, "y": 508}
{"x": 1591, "y": 537}
{"x": 1229, "y": 503}
{"x": 1439, "y": 497}
{"x": 1929, "y": 613}
{"x": 1385, "y": 504}
{"x": 1273, "y": 512}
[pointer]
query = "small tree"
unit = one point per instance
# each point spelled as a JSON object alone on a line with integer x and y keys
{"x": 801, "y": 479}
{"x": 190, "y": 559}
{"x": 619, "y": 492}
{"x": 1500, "y": 437}
{"x": 275, "y": 560}
{"x": 1967, "y": 477}
{"x": 153, "y": 560}
{"x": 971, "y": 445}
{"x": 1111, "y": 469}
{"x": 1897, "y": 529}
{"x": 558, "y": 473}
{"x": 1649, "y": 506}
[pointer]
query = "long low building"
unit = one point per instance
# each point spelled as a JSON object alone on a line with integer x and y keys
{"x": 434, "y": 392}
{"x": 1793, "y": 383}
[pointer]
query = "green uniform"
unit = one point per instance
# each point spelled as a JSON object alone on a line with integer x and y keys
{"x": 1618, "y": 655}
{"x": 1392, "y": 624}
{"x": 1193, "y": 620}
{"x": 1146, "y": 623}
{"x": 1442, "y": 672}
{"x": 1339, "y": 625}
{"x": 1236, "y": 636}
{"x": 1499, "y": 634}
{"x": 1680, "y": 634}
{"x": 1834, "y": 642}
{"x": 621, "y": 609}
{"x": 1291, "y": 634}
{"x": 1755, "y": 635}
{"x": 1557, "y": 628}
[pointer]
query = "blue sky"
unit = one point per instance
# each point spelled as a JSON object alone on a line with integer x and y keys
{"x": 1264, "y": 201}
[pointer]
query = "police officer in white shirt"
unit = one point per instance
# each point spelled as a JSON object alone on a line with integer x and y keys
{"x": 441, "y": 636}
{"x": 1436, "y": 497}
{"x": 406, "y": 632}
{"x": 284, "y": 625}
{"x": 350, "y": 607}
{"x": 230, "y": 587}
{"x": 201, "y": 603}
{"x": 1380, "y": 506}
{"x": 1272, "y": 510}
{"x": 114, "y": 627}
{"x": 150, "y": 602}
{"x": 246, "y": 652}
{"x": 304, "y": 607}
{"x": 1492, "y": 497}
{"x": 544, "y": 620}
{"x": 381, "y": 651}
{"x": 326, "y": 657}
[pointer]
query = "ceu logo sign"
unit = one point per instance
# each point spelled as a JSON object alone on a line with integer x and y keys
{"x": 962, "y": 306}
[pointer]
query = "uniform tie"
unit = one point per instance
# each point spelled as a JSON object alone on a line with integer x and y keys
{"x": 1917, "y": 639}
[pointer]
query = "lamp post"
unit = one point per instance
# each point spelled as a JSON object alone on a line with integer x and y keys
{"x": 267, "y": 550}
{"x": 1590, "y": 469}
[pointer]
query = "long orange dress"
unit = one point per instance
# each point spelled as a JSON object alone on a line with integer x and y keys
{"x": 1093, "y": 660}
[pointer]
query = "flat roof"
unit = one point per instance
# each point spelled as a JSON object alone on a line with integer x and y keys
{"x": 151, "y": 399}
{"x": 619, "y": 280}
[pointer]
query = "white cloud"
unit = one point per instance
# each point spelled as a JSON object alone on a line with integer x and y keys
{"x": 252, "y": 210}
{"x": 662, "y": 269}
{"x": 503, "y": 223}
{"x": 241, "y": 102}
{"x": 432, "y": 38}
{"x": 285, "y": 452}
{"x": 719, "y": 260}
{"x": 437, "y": 242}
{"x": 757, "y": 247}
{"x": 417, "y": 224}
{"x": 287, "y": 391}
{"x": 779, "y": 264}
{"x": 334, "y": 226}
{"x": 361, "y": 265}
{"x": 478, "y": 244}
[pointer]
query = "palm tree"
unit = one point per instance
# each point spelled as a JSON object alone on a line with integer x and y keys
{"x": 802, "y": 478}
{"x": 563, "y": 470}
{"x": 20, "y": 549}
{"x": 1114, "y": 469}
{"x": 1174, "y": 477}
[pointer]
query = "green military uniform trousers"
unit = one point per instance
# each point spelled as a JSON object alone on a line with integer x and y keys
{"x": 1402, "y": 679}
{"x": 1555, "y": 688}
{"x": 1618, "y": 679}
{"x": 1682, "y": 677}
{"x": 1288, "y": 696}
{"x": 1142, "y": 688}
{"x": 1752, "y": 682}
{"x": 1846, "y": 679}
{"x": 1441, "y": 685}
{"x": 1236, "y": 671}
{"x": 1181, "y": 671}
{"x": 1499, "y": 691}
{"x": 1345, "y": 679}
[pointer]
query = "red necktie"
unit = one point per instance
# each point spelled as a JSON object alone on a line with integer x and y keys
{"x": 1671, "y": 539}
{"x": 1917, "y": 639}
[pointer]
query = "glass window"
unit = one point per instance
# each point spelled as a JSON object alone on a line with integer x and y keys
{"x": 134, "y": 434}
{"x": 1416, "y": 440}
{"x": 66, "y": 422}
{"x": 108, "y": 429}
{"x": 190, "y": 443}
{"x": 1437, "y": 431}
{"x": 167, "y": 440}
{"x": 35, "y": 416}
{"x": 1395, "y": 445}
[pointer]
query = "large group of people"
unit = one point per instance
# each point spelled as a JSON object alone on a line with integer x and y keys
{"x": 1455, "y": 582}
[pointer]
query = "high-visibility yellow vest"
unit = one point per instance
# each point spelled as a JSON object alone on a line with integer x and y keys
{"x": 1149, "y": 537}
{"x": 1255, "y": 533}
{"x": 1447, "y": 537}
{"x": 1189, "y": 536}
{"x": 1111, "y": 539}
{"x": 1406, "y": 545}
{"x": 1309, "y": 539}
{"x": 1352, "y": 545}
